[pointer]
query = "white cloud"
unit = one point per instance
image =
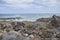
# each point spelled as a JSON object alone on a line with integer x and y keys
{"x": 48, "y": 2}
{"x": 19, "y": 3}
{"x": 53, "y": 3}
{"x": 29, "y": 4}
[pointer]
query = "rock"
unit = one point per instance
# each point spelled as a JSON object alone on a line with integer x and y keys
{"x": 46, "y": 34}
{"x": 55, "y": 21}
{"x": 13, "y": 36}
{"x": 1, "y": 31}
{"x": 58, "y": 36}
{"x": 13, "y": 23}
{"x": 0, "y": 37}
{"x": 9, "y": 36}
{"x": 43, "y": 20}
{"x": 31, "y": 36}
{"x": 2, "y": 26}
{"x": 25, "y": 35}
{"x": 18, "y": 26}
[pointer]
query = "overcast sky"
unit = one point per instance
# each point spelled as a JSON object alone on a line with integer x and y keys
{"x": 29, "y": 6}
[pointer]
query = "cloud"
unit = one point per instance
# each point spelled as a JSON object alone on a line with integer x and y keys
{"x": 48, "y": 2}
{"x": 30, "y": 3}
{"x": 2, "y": 2}
{"x": 19, "y": 3}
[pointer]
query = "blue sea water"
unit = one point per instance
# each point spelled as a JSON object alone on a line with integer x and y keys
{"x": 27, "y": 17}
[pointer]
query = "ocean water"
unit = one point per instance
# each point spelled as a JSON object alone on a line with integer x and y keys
{"x": 27, "y": 17}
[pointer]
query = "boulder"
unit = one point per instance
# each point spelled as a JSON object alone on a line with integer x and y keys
{"x": 13, "y": 36}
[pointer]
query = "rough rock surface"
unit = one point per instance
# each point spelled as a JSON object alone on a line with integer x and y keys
{"x": 47, "y": 29}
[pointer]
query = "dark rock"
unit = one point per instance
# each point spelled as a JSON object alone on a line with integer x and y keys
{"x": 0, "y": 37}
{"x": 17, "y": 28}
{"x": 54, "y": 22}
{"x": 43, "y": 20}
{"x": 13, "y": 23}
{"x": 20, "y": 24}
{"x": 2, "y": 26}
{"x": 58, "y": 36}
{"x": 46, "y": 34}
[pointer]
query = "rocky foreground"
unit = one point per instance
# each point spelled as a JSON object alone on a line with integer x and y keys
{"x": 41, "y": 29}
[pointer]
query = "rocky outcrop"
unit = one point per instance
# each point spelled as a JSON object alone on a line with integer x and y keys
{"x": 43, "y": 20}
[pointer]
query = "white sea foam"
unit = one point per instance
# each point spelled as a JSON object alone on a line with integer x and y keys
{"x": 26, "y": 17}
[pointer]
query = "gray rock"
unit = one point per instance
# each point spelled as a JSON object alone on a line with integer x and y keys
{"x": 13, "y": 36}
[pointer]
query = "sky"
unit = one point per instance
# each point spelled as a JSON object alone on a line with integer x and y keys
{"x": 29, "y": 6}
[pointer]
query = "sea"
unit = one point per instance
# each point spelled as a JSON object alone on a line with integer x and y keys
{"x": 28, "y": 17}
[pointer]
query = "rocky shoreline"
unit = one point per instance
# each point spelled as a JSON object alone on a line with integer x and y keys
{"x": 41, "y": 29}
{"x": 9, "y": 18}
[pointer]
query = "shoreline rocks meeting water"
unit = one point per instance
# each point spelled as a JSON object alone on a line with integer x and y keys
{"x": 41, "y": 29}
